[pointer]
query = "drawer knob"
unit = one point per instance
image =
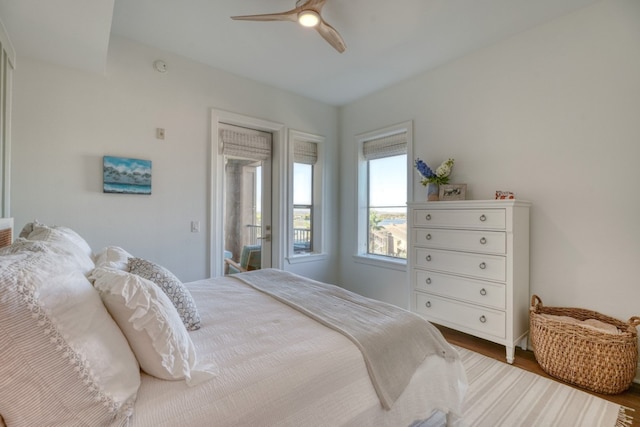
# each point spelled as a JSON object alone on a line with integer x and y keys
{"x": 427, "y": 304}
{"x": 428, "y": 236}
{"x": 483, "y": 291}
{"x": 483, "y": 218}
{"x": 483, "y": 319}
{"x": 482, "y": 265}
{"x": 483, "y": 241}
{"x": 428, "y": 217}
{"x": 428, "y": 281}
{"x": 428, "y": 258}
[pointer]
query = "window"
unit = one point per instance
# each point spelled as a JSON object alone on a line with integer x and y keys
{"x": 305, "y": 189}
{"x": 383, "y": 188}
{"x": 387, "y": 210}
{"x": 302, "y": 208}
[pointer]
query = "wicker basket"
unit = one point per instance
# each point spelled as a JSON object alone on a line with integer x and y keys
{"x": 597, "y": 361}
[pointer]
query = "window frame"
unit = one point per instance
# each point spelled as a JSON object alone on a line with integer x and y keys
{"x": 362, "y": 254}
{"x": 318, "y": 196}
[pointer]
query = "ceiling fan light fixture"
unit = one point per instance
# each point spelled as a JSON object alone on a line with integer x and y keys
{"x": 308, "y": 18}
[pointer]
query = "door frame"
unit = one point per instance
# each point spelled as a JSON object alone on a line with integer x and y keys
{"x": 216, "y": 199}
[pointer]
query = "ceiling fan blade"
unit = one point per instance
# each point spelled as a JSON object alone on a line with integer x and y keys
{"x": 313, "y": 4}
{"x": 331, "y": 35}
{"x": 291, "y": 15}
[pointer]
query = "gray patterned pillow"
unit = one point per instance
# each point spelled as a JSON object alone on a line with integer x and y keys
{"x": 172, "y": 286}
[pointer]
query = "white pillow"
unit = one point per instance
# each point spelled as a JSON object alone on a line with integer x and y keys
{"x": 68, "y": 362}
{"x": 39, "y": 231}
{"x": 64, "y": 241}
{"x": 113, "y": 257}
{"x": 152, "y": 325}
{"x": 23, "y": 245}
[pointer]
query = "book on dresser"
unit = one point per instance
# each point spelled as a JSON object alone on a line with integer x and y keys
{"x": 469, "y": 267}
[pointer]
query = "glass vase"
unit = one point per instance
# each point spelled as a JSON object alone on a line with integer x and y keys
{"x": 432, "y": 192}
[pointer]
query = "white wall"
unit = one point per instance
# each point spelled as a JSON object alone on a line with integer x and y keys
{"x": 65, "y": 120}
{"x": 552, "y": 114}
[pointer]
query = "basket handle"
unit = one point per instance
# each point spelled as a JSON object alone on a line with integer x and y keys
{"x": 535, "y": 301}
{"x": 634, "y": 321}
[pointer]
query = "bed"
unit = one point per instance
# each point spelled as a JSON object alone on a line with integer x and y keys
{"x": 229, "y": 352}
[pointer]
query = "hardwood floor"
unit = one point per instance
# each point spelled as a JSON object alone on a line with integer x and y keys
{"x": 526, "y": 360}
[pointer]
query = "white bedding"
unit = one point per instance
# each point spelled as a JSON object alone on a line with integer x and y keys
{"x": 280, "y": 368}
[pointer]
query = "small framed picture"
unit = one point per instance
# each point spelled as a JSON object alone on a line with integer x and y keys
{"x": 453, "y": 191}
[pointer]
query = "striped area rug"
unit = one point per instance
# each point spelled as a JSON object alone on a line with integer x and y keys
{"x": 503, "y": 395}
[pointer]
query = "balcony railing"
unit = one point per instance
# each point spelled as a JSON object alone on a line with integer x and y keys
{"x": 301, "y": 238}
{"x": 254, "y": 232}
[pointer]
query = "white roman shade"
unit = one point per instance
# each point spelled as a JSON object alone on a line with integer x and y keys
{"x": 305, "y": 152}
{"x": 386, "y": 146}
{"x": 247, "y": 145}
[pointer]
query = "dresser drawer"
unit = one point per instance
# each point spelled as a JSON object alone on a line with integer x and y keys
{"x": 479, "y": 319}
{"x": 490, "y": 219}
{"x": 472, "y": 291}
{"x": 491, "y": 267}
{"x": 493, "y": 242}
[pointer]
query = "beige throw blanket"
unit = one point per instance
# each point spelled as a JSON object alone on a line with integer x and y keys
{"x": 393, "y": 341}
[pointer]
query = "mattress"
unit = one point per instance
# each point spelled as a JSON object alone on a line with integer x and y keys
{"x": 278, "y": 367}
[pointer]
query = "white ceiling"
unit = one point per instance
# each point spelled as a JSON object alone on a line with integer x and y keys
{"x": 387, "y": 41}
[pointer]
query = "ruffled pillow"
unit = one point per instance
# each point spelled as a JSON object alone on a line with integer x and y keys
{"x": 172, "y": 286}
{"x": 151, "y": 323}
{"x": 113, "y": 257}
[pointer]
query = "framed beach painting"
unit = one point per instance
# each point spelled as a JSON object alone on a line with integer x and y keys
{"x": 126, "y": 176}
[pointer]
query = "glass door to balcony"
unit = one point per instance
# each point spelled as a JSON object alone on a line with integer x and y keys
{"x": 247, "y": 200}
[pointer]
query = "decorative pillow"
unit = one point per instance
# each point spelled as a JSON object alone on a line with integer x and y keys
{"x": 151, "y": 324}
{"x": 172, "y": 286}
{"x": 39, "y": 231}
{"x": 23, "y": 245}
{"x": 113, "y": 257}
{"x": 64, "y": 359}
{"x": 64, "y": 241}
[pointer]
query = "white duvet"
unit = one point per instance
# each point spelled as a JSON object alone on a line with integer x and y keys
{"x": 280, "y": 368}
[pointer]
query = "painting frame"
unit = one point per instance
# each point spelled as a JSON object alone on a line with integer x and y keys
{"x": 126, "y": 175}
{"x": 452, "y": 192}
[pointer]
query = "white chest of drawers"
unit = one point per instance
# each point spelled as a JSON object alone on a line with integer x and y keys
{"x": 469, "y": 267}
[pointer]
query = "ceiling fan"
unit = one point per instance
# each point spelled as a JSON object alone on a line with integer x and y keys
{"x": 306, "y": 13}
